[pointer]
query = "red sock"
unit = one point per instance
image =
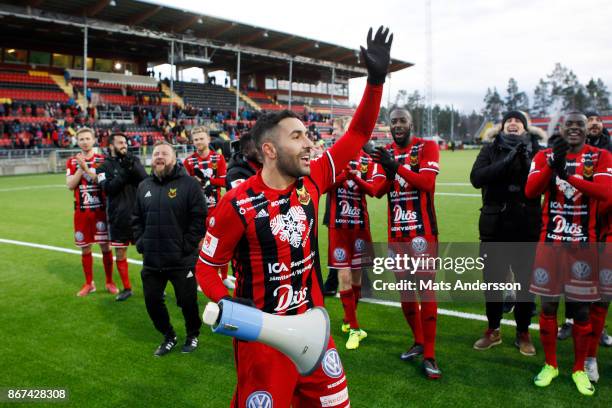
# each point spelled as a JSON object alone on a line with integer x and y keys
{"x": 548, "y": 337}
{"x": 429, "y": 318}
{"x": 87, "y": 262}
{"x": 107, "y": 260}
{"x": 581, "y": 332}
{"x": 122, "y": 267}
{"x": 412, "y": 314}
{"x": 357, "y": 293}
{"x": 597, "y": 315}
{"x": 223, "y": 271}
{"x": 348, "y": 304}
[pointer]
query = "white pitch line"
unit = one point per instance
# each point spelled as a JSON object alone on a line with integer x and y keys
{"x": 5, "y": 190}
{"x": 459, "y": 194}
{"x": 445, "y": 312}
{"x": 57, "y": 249}
{"x": 454, "y": 184}
{"x": 448, "y": 312}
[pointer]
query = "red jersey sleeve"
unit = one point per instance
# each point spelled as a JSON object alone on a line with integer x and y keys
{"x": 225, "y": 228}
{"x": 539, "y": 175}
{"x": 604, "y": 166}
{"x": 430, "y": 158}
{"x": 71, "y": 167}
{"x": 219, "y": 181}
{"x": 601, "y": 186}
{"x": 325, "y": 169}
{"x": 188, "y": 166}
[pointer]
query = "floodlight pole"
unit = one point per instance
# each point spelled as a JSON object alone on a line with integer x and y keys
{"x": 290, "y": 80}
{"x": 331, "y": 94}
{"x": 85, "y": 63}
{"x": 171, "y": 79}
{"x": 237, "y": 85}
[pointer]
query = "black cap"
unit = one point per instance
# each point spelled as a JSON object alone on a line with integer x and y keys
{"x": 516, "y": 115}
{"x": 588, "y": 114}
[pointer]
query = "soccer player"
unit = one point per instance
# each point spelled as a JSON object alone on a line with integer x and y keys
{"x": 268, "y": 224}
{"x": 89, "y": 213}
{"x": 411, "y": 167}
{"x": 210, "y": 169}
{"x": 349, "y": 234}
{"x": 573, "y": 176}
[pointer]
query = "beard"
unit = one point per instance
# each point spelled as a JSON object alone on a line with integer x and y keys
{"x": 402, "y": 140}
{"x": 162, "y": 172}
{"x": 290, "y": 165}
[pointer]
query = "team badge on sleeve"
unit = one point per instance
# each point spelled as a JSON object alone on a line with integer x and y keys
{"x": 209, "y": 246}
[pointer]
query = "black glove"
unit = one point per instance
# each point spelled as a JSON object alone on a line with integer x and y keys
{"x": 557, "y": 162}
{"x": 127, "y": 162}
{"x": 509, "y": 159}
{"x": 378, "y": 55}
{"x": 239, "y": 300}
{"x": 208, "y": 190}
{"x": 388, "y": 163}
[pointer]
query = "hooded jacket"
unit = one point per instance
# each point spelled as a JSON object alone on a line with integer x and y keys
{"x": 169, "y": 220}
{"x": 239, "y": 169}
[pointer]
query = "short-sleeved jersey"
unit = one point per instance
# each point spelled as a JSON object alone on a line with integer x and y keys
{"x": 411, "y": 212}
{"x": 271, "y": 235}
{"x": 348, "y": 206}
{"x": 568, "y": 215}
{"x": 214, "y": 167}
{"x": 88, "y": 195}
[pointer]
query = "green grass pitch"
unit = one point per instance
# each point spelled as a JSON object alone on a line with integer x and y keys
{"x": 101, "y": 350}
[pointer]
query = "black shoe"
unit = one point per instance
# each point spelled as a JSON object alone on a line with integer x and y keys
{"x": 565, "y": 331}
{"x": 191, "y": 343}
{"x": 414, "y": 351}
{"x": 509, "y": 300}
{"x": 431, "y": 369}
{"x": 166, "y": 347}
{"x": 330, "y": 287}
{"x": 123, "y": 295}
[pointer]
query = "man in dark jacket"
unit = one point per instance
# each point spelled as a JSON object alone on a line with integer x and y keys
{"x": 501, "y": 170}
{"x": 244, "y": 163}
{"x": 119, "y": 177}
{"x": 168, "y": 224}
{"x": 597, "y": 134}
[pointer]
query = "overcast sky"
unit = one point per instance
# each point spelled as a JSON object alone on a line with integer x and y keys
{"x": 476, "y": 43}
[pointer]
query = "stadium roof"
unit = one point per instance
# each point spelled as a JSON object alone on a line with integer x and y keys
{"x": 117, "y": 29}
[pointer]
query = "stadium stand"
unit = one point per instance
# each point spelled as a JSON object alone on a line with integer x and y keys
{"x": 29, "y": 86}
{"x": 206, "y": 96}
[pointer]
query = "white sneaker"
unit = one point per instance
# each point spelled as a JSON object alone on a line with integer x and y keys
{"x": 590, "y": 366}
{"x": 229, "y": 283}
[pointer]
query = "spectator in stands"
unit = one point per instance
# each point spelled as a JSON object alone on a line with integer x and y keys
{"x": 88, "y": 95}
{"x": 66, "y": 76}
{"x": 119, "y": 177}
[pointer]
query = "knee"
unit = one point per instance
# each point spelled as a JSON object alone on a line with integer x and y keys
{"x": 581, "y": 312}
{"x": 549, "y": 308}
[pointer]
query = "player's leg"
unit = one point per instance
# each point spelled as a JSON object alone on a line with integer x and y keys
{"x": 548, "y": 337}
{"x": 107, "y": 261}
{"x": 326, "y": 386}
{"x": 153, "y": 285}
{"x": 87, "y": 264}
{"x": 429, "y": 320}
{"x": 265, "y": 376}
{"x": 597, "y": 314}
{"x": 122, "y": 268}
{"x": 581, "y": 334}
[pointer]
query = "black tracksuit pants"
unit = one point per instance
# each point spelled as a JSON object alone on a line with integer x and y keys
{"x": 185, "y": 287}
{"x": 501, "y": 258}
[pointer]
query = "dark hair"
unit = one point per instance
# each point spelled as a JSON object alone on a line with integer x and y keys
{"x": 245, "y": 140}
{"x": 268, "y": 122}
{"x": 114, "y": 135}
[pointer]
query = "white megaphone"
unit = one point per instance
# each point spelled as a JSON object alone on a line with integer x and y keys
{"x": 302, "y": 338}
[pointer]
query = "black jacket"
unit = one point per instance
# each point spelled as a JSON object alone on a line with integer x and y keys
{"x": 238, "y": 168}
{"x": 169, "y": 220}
{"x": 603, "y": 141}
{"x": 506, "y": 214}
{"x": 119, "y": 179}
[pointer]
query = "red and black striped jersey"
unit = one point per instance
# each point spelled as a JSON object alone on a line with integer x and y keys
{"x": 568, "y": 215}
{"x": 411, "y": 211}
{"x": 214, "y": 168}
{"x": 348, "y": 207}
{"x": 88, "y": 195}
{"x": 272, "y": 237}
